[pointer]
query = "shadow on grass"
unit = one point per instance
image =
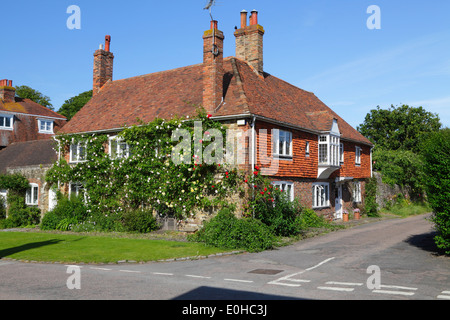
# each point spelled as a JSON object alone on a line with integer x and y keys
{"x": 11, "y": 251}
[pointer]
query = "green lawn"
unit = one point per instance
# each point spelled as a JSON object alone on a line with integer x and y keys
{"x": 69, "y": 248}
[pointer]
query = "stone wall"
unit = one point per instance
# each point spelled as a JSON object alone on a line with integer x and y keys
{"x": 386, "y": 192}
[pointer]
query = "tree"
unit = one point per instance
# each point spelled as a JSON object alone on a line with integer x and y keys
{"x": 398, "y": 128}
{"x": 25, "y": 92}
{"x": 436, "y": 155}
{"x": 74, "y": 104}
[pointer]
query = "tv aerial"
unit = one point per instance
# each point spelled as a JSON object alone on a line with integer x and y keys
{"x": 215, "y": 48}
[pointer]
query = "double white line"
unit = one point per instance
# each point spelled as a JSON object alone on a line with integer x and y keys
{"x": 345, "y": 286}
{"x": 404, "y": 293}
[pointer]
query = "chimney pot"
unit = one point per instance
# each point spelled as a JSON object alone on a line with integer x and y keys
{"x": 107, "y": 43}
{"x": 10, "y": 83}
{"x": 214, "y": 25}
{"x": 254, "y": 18}
{"x": 243, "y": 18}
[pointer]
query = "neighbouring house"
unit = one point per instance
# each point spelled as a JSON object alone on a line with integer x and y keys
{"x": 26, "y": 143}
{"x": 321, "y": 159}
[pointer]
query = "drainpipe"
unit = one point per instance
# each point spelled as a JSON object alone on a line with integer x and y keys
{"x": 253, "y": 157}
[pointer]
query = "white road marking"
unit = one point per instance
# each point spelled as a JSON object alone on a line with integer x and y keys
{"x": 397, "y": 287}
{"x": 130, "y": 271}
{"x": 163, "y": 274}
{"x": 444, "y": 295}
{"x": 103, "y": 269}
{"x": 394, "y": 292}
{"x": 345, "y": 283}
{"x": 336, "y": 289}
{"x": 194, "y": 276}
{"x": 238, "y": 280}
{"x": 288, "y": 277}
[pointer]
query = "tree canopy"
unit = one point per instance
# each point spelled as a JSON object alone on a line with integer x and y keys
{"x": 399, "y": 128}
{"x": 25, "y": 92}
{"x": 74, "y": 104}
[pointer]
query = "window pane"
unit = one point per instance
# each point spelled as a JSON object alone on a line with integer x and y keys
{"x": 2, "y": 121}
{"x": 28, "y": 196}
{"x": 35, "y": 195}
{"x": 7, "y": 122}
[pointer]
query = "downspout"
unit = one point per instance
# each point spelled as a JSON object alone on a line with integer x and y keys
{"x": 253, "y": 159}
{"x": 371, "y": 163}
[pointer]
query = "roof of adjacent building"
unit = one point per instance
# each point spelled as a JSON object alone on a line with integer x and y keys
{"x": 179, "y": 92}
{"x": 29, "y": 107}
{"x": 29, "y": 153}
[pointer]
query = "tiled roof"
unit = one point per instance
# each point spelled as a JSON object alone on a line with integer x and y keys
{"x": 179, "y": 92}
{"x": 30, "y": 153}
{"x": 27, "y": 106}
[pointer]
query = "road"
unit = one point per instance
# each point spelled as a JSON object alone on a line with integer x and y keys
{"x": 328, "y": 267}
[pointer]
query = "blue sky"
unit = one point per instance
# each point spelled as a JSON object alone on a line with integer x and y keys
{"x": 323, "y": 46}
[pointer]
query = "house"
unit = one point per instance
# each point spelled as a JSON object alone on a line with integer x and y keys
{"x": 320, "y": 159}
{"x": 26, "y": 144}
{"x": 23, "y": 119}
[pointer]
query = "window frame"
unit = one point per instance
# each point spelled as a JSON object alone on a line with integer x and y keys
{"x": 120, "y": 153}
{"x": 11, "y": 121}
{"x": 277, "y": 136}
{"x": 329, "y": 151}
{"x": 341, "y": 151}
{"x": 324, "y": 198}
{"x": 287, "y": 184}
{"x": 78, "y": 146}
{"x": 356, "y": 192}
{"x": 32, "y": 195}
{"x": 46, "y": 122}
{"x": 358, "y": 155}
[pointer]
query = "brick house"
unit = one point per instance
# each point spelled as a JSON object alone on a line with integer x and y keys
{"x": 320, "y": 159}
{"x": 26, "y": 144}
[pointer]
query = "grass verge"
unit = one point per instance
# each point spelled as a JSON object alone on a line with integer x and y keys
{"x": 69, "y": 248}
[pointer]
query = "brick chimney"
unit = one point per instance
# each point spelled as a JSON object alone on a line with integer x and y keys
{"x": 7, "y": 91}
{"x": 103, "y": 66}
{"x": 249, "y": 41}
{"x": 212, "y": 68}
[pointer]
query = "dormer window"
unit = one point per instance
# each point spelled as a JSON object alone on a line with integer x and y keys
{"x": 6, "y": 122}
{"x": 45, "y": 126}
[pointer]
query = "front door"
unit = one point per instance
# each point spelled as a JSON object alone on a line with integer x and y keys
{"x": 338, "y": 202}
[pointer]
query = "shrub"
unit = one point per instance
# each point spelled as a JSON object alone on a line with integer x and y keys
{"x": 227, "y": 231}
{"x": 141, "y": 221}
{"x": 371, "y": 206}
{"x": 21, "y": 217}
{"x": 309, "y": 219}
{"x": 67, "y": 213}
{"x": 436, "y": 154}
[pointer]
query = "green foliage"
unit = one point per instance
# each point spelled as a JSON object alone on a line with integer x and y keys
{"x": 227, "y": 231}
{"x": 148, "y": 178}
{"x": 436, "y": 154}
{"x": 19, "y": 214}
{"x": 401, "y": 167}
{"x": 398, "y": 128}
{"x": 74, "y": 104}
{"x": 25, "y": 92}
{"x": 66, "y": 214}
{"x": 371, "y": 206}
{"x": 141, "y": 221}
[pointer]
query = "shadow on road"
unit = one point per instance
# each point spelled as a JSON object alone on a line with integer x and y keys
{"x": 425, "y": 242}
{"x": 210, "y": 293}
{"x": 10, "y": 251}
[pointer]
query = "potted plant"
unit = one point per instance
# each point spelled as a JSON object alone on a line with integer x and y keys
{"x": 357, "y": 213}
{"x": 345, "y": 215}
